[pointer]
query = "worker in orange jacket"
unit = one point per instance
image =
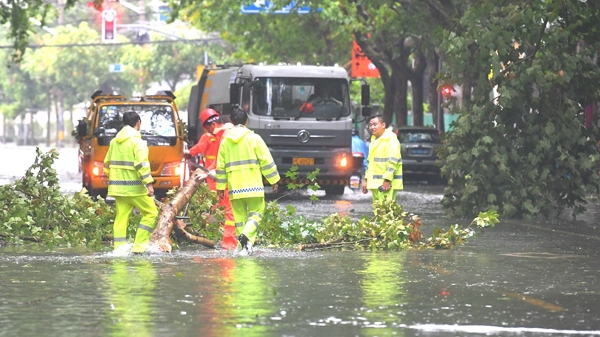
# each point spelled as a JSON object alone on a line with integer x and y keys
{"x": 208, "y": 147}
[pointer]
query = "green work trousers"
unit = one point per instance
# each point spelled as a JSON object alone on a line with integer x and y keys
{"x": 124, "y": 207}
{"x": 248, "y": 213}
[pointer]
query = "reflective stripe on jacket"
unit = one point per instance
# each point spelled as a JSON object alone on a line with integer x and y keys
{"x": 126, "y": 164}
{"x": 385, "y": 161}
{"x": 243, "y": 160}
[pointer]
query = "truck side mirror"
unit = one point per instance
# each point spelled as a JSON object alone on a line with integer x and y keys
{"x": 234, "y": 94}
{"x": 82, "y": 128}
{"x": 365, "y": 94}
{"x": 365, "y": 111}
{"x": 98, "y": 131}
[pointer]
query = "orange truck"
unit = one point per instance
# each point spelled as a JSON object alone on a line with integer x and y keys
{"x": 161, "y": 128}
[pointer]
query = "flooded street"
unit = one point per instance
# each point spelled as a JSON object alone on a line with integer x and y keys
{"x": 521, "y": 278}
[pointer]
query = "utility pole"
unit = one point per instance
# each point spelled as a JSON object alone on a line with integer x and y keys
{"x": 440, "y": 111}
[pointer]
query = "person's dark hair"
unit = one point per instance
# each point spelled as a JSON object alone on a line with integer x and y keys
{"x": 225, "y": 119}
{"x": 131, "y": 118}
{"x": 238, "y": 116}
{"x": 380, "y": 117}
{"x": 354, "y": 132}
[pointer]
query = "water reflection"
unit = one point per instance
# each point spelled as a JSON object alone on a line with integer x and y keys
{"x": 131, "y": 297}
{"x": 234, "y": 296}
{"x": 251, "y": 297}
{"x": 284, "y": 293}
{"x": 384, "y": 297}
{"x": 232, "y": 299}
{"x": 215, "y": 304}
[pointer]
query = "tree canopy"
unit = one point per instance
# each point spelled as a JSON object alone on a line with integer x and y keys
{"x": 526, "y": 141}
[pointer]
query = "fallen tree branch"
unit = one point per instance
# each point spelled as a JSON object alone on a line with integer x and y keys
{"x": 24, "y": 238}
{"x": 162, "y": 232}
{"x": 191, "y": 237}
{"x": 319, "y": 245}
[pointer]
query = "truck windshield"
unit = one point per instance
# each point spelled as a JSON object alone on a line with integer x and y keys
{"x": 300, "y": 97}
{"x": 157, "y": 120}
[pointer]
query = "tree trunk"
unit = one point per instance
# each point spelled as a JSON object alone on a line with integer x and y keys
{"x": 32, "y": 121}
{"x": 400, "y": 97}
{"x": 49, "y": 122}
{"x": 388, "y": 101}
{"x": 418, "y": 86}
{"x": 395, "y": 102}
{"x": 162, "y": 232}
{"x": 4, "y": 128}
{"x": 433, "y": 62}
{"x": 71, "y": 126}
{"x": 60, "y": 120}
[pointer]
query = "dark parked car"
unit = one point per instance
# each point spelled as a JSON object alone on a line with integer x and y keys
{"x": 419, "y": 145}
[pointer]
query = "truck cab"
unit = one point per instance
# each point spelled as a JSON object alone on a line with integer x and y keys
{"x": 161, "y": 128}
{"x": 302, "y": 112}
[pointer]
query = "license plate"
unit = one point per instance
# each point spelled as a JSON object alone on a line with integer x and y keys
{"x": 419, "y": 151}
{"x": 354, "y": 182}
{"x": 303, "y": 161}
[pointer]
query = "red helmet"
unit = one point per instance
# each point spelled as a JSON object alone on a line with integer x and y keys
{"x": 206, "y": 114}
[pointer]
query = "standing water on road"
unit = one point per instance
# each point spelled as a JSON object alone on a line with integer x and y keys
{"x": 521, "y": 278}
{"x": 487, "y": 288}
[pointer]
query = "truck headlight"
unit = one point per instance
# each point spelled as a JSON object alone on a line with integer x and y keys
{"x": 342, "y": 161}
{"x": 171, "y": 169}
{"x": 98, "y": 169}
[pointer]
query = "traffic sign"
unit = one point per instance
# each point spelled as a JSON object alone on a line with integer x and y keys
{"x": 263, "y": 6}
{"x": 115, "y": 68}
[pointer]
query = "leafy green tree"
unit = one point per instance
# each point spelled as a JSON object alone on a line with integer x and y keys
{"x": 316, "y": 38}
{"x": 138, "y": 61}
{"x": 176, "y": 62}
{"x": 397, "y": 41}
{"x": 521, "y": 145}
{"x": 271, "y": 38}
{"x": 68, "y": 74}
{"x": 18, "y": 94}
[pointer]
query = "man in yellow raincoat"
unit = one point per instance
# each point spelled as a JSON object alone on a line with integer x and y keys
{"x": 384, "y": 171}
{"x": 130, "y": 183}
{"x": 243, "y": 160}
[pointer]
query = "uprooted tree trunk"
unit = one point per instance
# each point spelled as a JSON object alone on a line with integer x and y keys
{"x": 180, "y": 226}
{"x": 161, "y": 236}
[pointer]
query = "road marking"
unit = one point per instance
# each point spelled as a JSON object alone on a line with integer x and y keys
{"x": 541, "y": 255}
{"x": 487, "y": 329}
{"x": 534, "y": 301}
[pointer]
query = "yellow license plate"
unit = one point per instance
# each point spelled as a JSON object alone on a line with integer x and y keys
{"x": 303, "y": 161}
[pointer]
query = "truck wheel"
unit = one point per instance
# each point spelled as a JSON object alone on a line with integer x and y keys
{"x": 95, "y": 193}
{"x": 335, "y": 190}
{"x": 84, "y": 182}
{"x": 160, "y": 194}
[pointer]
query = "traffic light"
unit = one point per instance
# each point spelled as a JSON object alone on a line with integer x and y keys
{"x": 446, "y": 91}
{"x": 109, "y": 25}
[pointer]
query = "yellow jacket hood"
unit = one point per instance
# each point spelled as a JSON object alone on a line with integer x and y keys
{"x": 127, "y": 132}
{"x": 237, "y": 133}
